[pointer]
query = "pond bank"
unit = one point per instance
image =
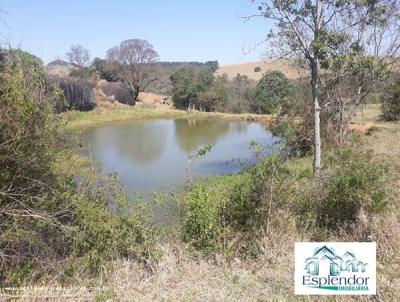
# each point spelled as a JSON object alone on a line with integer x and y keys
{"x": 79, "y": 120}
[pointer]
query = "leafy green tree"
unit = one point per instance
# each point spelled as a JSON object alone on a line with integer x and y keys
{"x": 314, "y": 30}
{"x": 241, "y": 93}
{"x": 272, "y": 93}
{"x": 187, "y": 84}
{"x": 215, "y": 98}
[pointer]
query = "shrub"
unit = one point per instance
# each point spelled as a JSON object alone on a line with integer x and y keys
{"x": 257, "y": 69}
{"x": 201, "y": 222}
{"x": 107, "y": 226}
{"x": 51, "y": 219}
{"x": 391, "y": 100}
{"x": 254, "y": 202}
{"x": 232, "y": 215}
{"x": 356, "y": 182}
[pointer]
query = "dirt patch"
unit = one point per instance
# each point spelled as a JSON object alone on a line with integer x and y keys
{"x": 155, "y": 100}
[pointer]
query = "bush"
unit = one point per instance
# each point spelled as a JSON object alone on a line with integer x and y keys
{"x": 391, "y": 100}
{"x": 257, "y": 69}
{"x": 355, "y": 182}
{"x": 53, "y": 221}
{"x": 107, "y": 227}
{"x": 231, "y": 215}
{"x": 201, "y": 223}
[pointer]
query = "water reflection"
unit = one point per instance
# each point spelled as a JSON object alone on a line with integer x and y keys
{"x": 192, "y": 134}
{"x": 143, "y": 143}
{"x": 152, "y": 156}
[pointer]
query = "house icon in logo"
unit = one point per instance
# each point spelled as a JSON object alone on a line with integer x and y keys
{"x": 325, "y": 257}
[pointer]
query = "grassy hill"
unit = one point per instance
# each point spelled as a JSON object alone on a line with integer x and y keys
{"x": 288, "y": 67}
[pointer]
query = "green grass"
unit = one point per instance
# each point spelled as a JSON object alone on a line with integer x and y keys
{"x": 81, "y": 120}
{"x": 372, "y": 114}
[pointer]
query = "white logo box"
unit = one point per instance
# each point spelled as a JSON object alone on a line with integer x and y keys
{"x": 335, "y": 268}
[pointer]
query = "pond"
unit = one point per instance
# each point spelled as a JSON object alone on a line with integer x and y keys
{"x": 157, "y": 155}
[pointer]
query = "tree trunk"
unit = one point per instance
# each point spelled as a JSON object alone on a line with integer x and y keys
{"x": 136, "y": 94}
{"x": 314, "y": 63}
{"x": 317, "y": 109}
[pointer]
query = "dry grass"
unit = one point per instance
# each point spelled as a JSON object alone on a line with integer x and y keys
{"x": 287, "y": 67}
{"x": 183, "y": 276}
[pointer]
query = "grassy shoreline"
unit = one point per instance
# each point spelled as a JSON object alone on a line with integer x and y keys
{"x": 79, "y": 120}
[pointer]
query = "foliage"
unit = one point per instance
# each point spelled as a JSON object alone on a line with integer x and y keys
{"x": 391, "y": 100}
{"x": 215, "y": 98}
{"x": 295, "y": 121}
{"x": 317, "y": 31}
{"x": 105, "y": 69}
{"x": 241, "y": 94}
{"x": 356, "y": 182}
{"x": 106, "y": 226}
{"x": 53, "y": 219}
{"x": 85, "y": 73}
{"x": 200, "y": 226}
{"x": 187, "y": 84}
{"x": 162, "y": 85}
{"x": 232, "y": 214}
{"x": 272, "y": 93}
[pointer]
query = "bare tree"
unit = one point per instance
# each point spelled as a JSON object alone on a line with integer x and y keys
{"x": 78, "y": 55}
{"x": 135, "y": 60}
{"x": 314, "y": 30}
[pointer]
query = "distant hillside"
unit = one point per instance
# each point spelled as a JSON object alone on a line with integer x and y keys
{"x": 287, "y": 67}
{"x": 60, "y": 68}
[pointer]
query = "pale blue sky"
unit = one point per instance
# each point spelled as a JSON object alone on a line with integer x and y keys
{"x": 179, "y": 30}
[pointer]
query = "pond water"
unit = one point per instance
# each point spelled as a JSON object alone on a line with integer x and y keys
{"x": 155, "y": 155}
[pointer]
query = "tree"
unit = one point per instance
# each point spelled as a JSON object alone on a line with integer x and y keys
{"x": 78, "y": 55}
{"x": 271, "y": 92}
{"x": 391, "y": 100}
{"x": 215, "y": 98}
{"x": 105, "y": 70}
{"x": 241, "y": 92}
{"x": 188, "y": 83}
{"x": 315, "y": 30}
{"x": 135, "y": 61}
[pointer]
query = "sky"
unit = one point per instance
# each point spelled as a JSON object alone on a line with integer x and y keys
{"x": 179, "y": 30}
